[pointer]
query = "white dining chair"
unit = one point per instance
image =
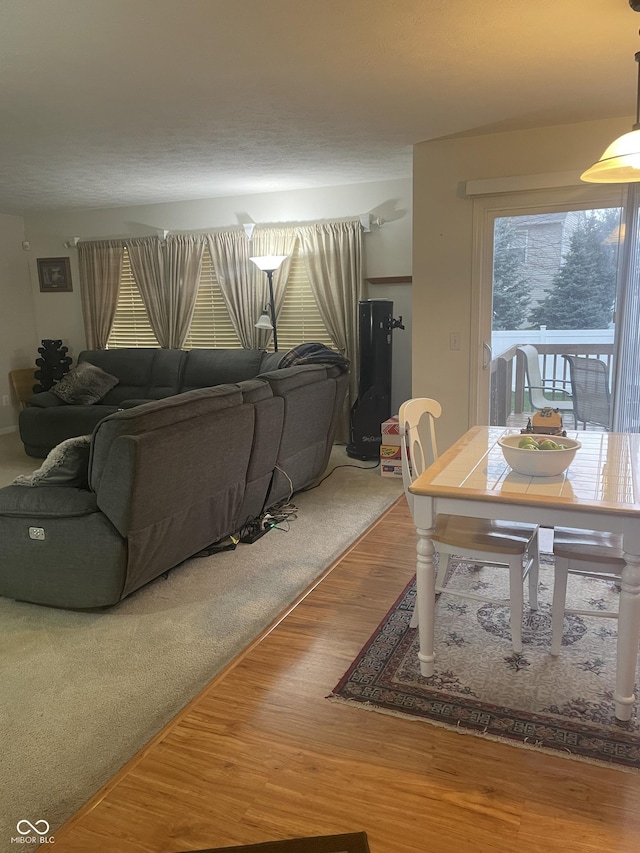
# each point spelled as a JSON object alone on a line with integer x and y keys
{"x": 587, "y": 553}
{"x": 488, "y": 542}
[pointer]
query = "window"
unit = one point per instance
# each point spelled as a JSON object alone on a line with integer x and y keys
{"x": 299, "y": 318}
{"x": 131, "y": 326}
{"x": 211, "y": 325}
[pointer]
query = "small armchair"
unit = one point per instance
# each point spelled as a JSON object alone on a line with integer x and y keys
{"x": 590, "y": 390}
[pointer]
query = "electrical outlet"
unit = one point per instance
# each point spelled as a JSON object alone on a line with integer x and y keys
{"x": 454, "y": 340}
{"x": 5, "y": 399}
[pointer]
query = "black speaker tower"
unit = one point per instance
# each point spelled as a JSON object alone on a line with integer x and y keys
{"x": 373, "y": 406}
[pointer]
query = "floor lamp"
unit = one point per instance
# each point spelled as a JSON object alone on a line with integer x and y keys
{"x": 269, "y": 264}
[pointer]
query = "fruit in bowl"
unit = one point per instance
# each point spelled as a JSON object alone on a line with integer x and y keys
{"x": 538, "y": 455}
{"x": 530, "y": 443}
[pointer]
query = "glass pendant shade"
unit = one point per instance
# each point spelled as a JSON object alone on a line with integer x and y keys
{"x": 264, "y": 322}
{"x": 620, "y": 163}
{"x": 268, "y": 262}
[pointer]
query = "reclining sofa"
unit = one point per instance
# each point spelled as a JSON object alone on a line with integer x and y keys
{"x": 164, "y": 479}
{"x": 142, "y": 375}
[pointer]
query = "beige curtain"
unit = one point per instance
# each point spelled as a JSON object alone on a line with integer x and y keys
{"x": 332, "y": 254}
{"x": 167, "y": 275}
{"x": 100, "y": 265}
{"x": 244, "y": 287}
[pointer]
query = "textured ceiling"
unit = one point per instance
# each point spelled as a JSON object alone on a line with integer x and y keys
{"x": 123, "y": 102}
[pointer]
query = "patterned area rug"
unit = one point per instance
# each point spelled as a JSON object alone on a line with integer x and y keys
{"x": 561, "y": 705}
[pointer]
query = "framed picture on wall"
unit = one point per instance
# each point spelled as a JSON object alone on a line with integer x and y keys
{"x": 54, "y": 274}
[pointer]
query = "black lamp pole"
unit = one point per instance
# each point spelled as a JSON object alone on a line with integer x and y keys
{"x": 272, "y": 305}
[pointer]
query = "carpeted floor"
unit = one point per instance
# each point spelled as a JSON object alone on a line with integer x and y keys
{"x": 83, "y": 692}
{"x": 562, "y": 705}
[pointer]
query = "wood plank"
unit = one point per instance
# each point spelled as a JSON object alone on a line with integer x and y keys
{"x": 391, "y": 279}
{"x": 263, "y": 755}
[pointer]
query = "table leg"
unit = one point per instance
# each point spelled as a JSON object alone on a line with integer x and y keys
{"x": 628, "y": 636}
{"x": 425, "y": 598}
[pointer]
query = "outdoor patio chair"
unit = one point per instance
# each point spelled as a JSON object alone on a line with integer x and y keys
{"x": 539, "y": 388}
{"x": 589, "y": 390}
{"x": 587, "y": 553}
{"x": 487, "y": 542}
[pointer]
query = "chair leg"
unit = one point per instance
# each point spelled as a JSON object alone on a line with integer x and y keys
{"x": 443, "y": 565}
{"x": 534, "y": 556}
{"x": 559, "y": 603}
{"x": 516, "y": 596}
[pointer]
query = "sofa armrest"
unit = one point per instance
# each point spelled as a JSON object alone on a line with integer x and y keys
{"x": 270, "y": 361}
{"x": 46, "y": 501}
{"x": 45, "y": 400}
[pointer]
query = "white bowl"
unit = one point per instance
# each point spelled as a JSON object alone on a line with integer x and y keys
{"x": 538, "y": 463}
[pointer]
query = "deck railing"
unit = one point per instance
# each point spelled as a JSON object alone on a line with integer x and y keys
{"x": 508, "y": 375}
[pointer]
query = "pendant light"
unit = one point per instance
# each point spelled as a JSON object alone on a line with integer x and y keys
{"x": 620, "y": 163}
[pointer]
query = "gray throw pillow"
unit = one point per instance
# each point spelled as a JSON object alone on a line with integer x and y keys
{"x": 84, "y": 385}
{"x": 66, "y": 465}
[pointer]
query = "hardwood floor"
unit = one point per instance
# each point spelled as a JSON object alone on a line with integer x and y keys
{"x": 262, "y": 754}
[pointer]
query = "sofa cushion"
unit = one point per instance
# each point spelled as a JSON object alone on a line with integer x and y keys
{"x": 67, "y": 464}
{"x": 84, "y": 384}
{"x": 144, "y": 372}
{"x": 44, "y": 400}
{"x": 207, "y": 367}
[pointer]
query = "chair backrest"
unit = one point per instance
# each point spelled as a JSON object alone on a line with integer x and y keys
{"x": 416, "y": 421}
{"x": 590, "y": 390}
{"x": 22, "y": 382}
{"x": 534, "y": 377}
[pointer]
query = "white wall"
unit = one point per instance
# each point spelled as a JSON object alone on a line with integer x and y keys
{"x": 387, "y": 249}
{"x": 443, "y": 241}
{"x": 18, "y": 338}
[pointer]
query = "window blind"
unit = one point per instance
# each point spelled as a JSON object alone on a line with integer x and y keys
{"x": 299, "y": 320}
{"x": 131, "y": 326}
{"x": 211, "y": 325}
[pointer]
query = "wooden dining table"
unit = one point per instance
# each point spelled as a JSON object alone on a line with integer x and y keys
{"x": 599, "y": 491}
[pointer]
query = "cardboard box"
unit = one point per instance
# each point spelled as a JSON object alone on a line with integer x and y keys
{"x": 391, "y": 428}
{"x": 389, "y": 452}
{"x": 391, "y": 469}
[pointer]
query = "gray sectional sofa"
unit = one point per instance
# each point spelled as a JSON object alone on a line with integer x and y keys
{"x": 164, "y": 478}
{"x": 143, "y": 375}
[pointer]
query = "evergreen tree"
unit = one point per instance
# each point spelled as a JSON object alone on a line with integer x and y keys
{"x": 510, "y": 290}
{"x": 583, "y": 290}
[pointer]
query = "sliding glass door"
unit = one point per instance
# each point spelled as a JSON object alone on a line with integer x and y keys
{"x": 626, "y": 399}
{"x": 553, "y": 273}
